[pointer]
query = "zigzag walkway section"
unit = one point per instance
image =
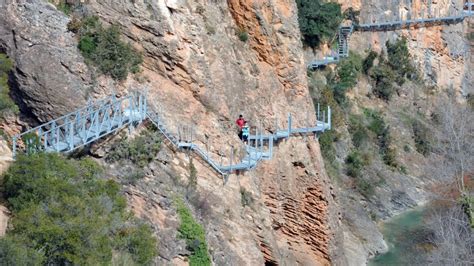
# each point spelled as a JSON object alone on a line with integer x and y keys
{"x": 104, "y": 117}
{"x": 345, "y": 32}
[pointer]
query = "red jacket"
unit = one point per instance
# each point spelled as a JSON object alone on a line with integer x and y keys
{"x": 240, "y": 122}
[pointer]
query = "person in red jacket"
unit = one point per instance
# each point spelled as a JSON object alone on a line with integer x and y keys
{"x": 240, "y": 123}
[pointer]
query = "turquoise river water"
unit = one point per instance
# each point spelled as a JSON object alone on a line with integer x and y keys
{"x": 396, "y": 232}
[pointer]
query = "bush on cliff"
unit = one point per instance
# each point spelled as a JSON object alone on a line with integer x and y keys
{"x": 64, "y": 214}
{"x": 347, "y": 73}
{"x": 193, "y": 233}
{"x": 103, "y": 47}
{"x": 421, "y": 135}
{"x": 383, "y": 77}
{"x": 6, "y": 103}
{"x": 318, "y": 20}
{"x": 399, "y": 60}
{"x": 140, "y": 150}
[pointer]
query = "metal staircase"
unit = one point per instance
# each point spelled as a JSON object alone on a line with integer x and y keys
{"x": 84, "y": 126}
{"x": 343, "y": 36}
{"x": 104, "y": 117}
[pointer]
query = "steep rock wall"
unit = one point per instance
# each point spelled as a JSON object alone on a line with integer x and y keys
{"x": 49, "y": 78}
{"x": 442, "y": 53}
{"x": 197, "y": 72}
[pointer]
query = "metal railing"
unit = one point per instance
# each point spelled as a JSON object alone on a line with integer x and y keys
{"x": 344, "y": 32}
{"x": 100, "y": 118}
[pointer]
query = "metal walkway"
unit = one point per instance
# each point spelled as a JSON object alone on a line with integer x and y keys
{"x": 104, "y": 117}
{"x": 345, "y": 32}
{"x": 343, "y": 36}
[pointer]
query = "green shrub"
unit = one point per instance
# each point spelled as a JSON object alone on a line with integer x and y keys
{"x": 470, "y": 36}
{"x": 327, "y": 99}
{"x": 377, "y": 125}
{"x": 368, "y": 62}
{"x": 65, "y": 6}
{"x": 355, "y": 163}
{"x": 421, "y": 135}
{"x": 326, "y": 141}
{"x": 63, "y": 214}
{"x": 348, "y": 70}
{"x": 140, "y": 150}
{"x": 15, "y": 251}
{"x": 358, "y": 131}
{"x": 32, "y": 143}
{"x": 352, "y": 15}
{"x": 399, "y": 59}
{"x": 133, "y": 177}
{"x": 375, "y": 121}
{"x": 193, "y": 233}
{"x": 243, "y": 35}
{"x": 6, "y": 103}
{"x": 347, "y": 73}
{"x": 470, "y": 100}
{"x": 192, "y": 175}
{"x": 318, "y": 20}
{"x": 103, "y": 47}
{"x": 383, "y": 77}
{"x": 365, "y": 187}
{"x": 246, "y": 198}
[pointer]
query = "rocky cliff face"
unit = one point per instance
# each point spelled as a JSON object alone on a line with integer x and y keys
{"x": 50, "y": 77}
{"x": 198, "y": 72}
{"x": 443, "y": 55}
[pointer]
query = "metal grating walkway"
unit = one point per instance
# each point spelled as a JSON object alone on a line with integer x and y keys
{"x": 345, "y": 32}
{"x": 104, "y": 117}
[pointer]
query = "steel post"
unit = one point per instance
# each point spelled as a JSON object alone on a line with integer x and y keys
{"x": 289, "y": 125}
{"x": 14, "y": 147}
{"x": 329, "y": 117}
{"x": 71, "y": 136}
{"x": 318, "y": 117}
{"x": 231, "y": 157}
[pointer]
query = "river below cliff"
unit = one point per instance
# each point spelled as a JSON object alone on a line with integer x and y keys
{"x": 399, "y": 233}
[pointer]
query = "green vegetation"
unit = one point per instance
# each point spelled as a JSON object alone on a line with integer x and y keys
{"x": 192, "y": 175}
{"x": 140, "y": 150}
{"x": 347, "y": 73}
{"x": 32, "y": 143}
{"x": 193, "y": 233}
{"x": 352, "y": 15}
{"x": 467, "y": 204}
{"x": 395, "y": 68}
{"x": 470, "y": 36}
{"x": 66, "y": 6}
{"x": 383, "y": 77}
{"x": 6, "y": 103}
{"x": 365, "y": 187}
{"x": 355, "y": 163}
{"x": 64, "y": 213}
{"x": 358, "y": 130}
{"x": 103, "y": 47}
{"x": 243, "y": 35}
{"x": 377, "y": 125}
{"x": 368, "y": 62}
{"x": 399, "y": 60}
{"x": 327, "y": 98}
{"x": 246, "y": 198}
{"x": 318, "y": 20}
{"x": 421, "y": 135}
{"x": 470, "y": 100}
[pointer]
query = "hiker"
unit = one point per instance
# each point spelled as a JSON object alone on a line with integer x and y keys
{"x": 240, "y": 123}
{"x": 245, "y": 132}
